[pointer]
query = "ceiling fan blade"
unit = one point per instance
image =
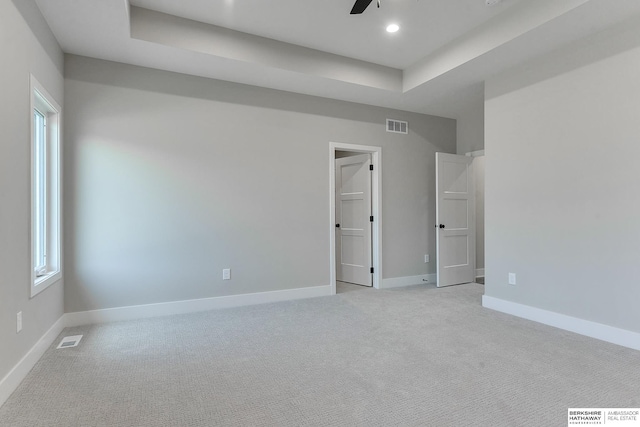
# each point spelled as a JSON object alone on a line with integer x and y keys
{"x": 360, "y": 6}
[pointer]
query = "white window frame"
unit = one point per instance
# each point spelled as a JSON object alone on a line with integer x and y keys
{"x": 44, "y": 103}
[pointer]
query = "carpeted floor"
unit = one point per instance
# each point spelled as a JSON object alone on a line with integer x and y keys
{"x": 417, "y": 356}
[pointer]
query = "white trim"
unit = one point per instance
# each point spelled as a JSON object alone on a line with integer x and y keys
{"x": 190, "y": 306}
{"x": 398, "y": 282}
{"x": 599, "y": 331}
{"x": 12, "y": 380}
{"x": 40, "y": 97}
{"x": 479, "y": 272}
{"x": 376, "y": 208}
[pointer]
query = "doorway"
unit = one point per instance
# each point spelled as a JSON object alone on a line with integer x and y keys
{"x": 465, "y": 223}
{"x": 374, "y": 153}
{"x": 354, "y": 219}
{"x": 478, "y": 170}
{"x": 455, "y": 219}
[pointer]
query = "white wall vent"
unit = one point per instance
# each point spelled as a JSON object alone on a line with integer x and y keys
{"x": 72, "y": 341}
{"x": 397, "y": 126}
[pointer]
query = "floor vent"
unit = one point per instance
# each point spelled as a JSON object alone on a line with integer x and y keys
{"x": 397, "y": 126}
{"x": 68, "y": 342}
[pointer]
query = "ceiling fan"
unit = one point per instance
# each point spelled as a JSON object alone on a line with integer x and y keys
{"x": 361, "y": 5}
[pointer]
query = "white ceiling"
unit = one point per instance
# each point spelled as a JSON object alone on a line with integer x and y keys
{"x": 326, "y": 25}
{"x": 435, "y": 64}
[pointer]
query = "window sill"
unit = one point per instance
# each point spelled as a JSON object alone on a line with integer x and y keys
{"x": 43, "y": 282}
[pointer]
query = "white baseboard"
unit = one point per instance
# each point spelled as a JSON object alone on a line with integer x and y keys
{"x": 398, "y": 282}
{"x": 599, "y": 331}
{"x": 190, "y": 306}
{"x": 479, "y": 272}
{"x": 13, "y": 379}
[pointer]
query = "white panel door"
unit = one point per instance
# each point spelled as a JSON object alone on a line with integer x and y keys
{"x": 455, "y": 219}
{"x": 353, "y": 220}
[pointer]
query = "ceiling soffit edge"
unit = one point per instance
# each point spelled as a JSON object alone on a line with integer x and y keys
{"x": 186, "y": 34}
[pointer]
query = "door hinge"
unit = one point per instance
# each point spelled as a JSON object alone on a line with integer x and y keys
{"x": 371, "y": 270}
{"x": 370, "y": 167}
{"x": 371, "y": 218}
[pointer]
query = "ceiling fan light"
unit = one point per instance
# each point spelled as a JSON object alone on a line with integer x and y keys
{"x": 392, "y": 28}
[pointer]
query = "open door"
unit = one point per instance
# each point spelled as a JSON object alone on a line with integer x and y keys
{"x": 455, "y": 219}
{"x": 353, "y": 220}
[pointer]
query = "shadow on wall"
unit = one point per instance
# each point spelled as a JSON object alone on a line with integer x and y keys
{"x": 148, "y": 79}
{"x": 39, "y": 27}
{"x": 597, "y": 47}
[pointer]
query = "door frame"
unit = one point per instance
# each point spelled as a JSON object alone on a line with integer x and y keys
{"x": 376, "y": 209}
{"x": 480, "y": 272}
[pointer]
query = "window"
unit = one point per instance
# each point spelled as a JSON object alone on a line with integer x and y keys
{"x": 46, "y": 265}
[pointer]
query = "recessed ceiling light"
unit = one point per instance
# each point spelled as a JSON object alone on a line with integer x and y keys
{"x": 393, "y": 28}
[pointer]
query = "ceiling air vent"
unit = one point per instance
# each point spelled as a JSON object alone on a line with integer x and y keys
{"x": 396, "y": 126}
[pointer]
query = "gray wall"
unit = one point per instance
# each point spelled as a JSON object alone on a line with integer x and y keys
{"x": 171, "y": 178}
{"x": 22, "y": 53}
{"x": 562, "y": 205}
{"x": 470, "y": 127}
{"x": 470, "y": 137}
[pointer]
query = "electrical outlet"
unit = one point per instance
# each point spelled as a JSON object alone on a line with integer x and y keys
{"x": 226, "y": 274}
{"x": 427, "y": 258}
{"x": 512, "y": 278}
{"x": 18, "y": 322}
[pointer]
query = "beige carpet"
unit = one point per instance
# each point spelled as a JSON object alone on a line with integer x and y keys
{"x": 416, "y": 356}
